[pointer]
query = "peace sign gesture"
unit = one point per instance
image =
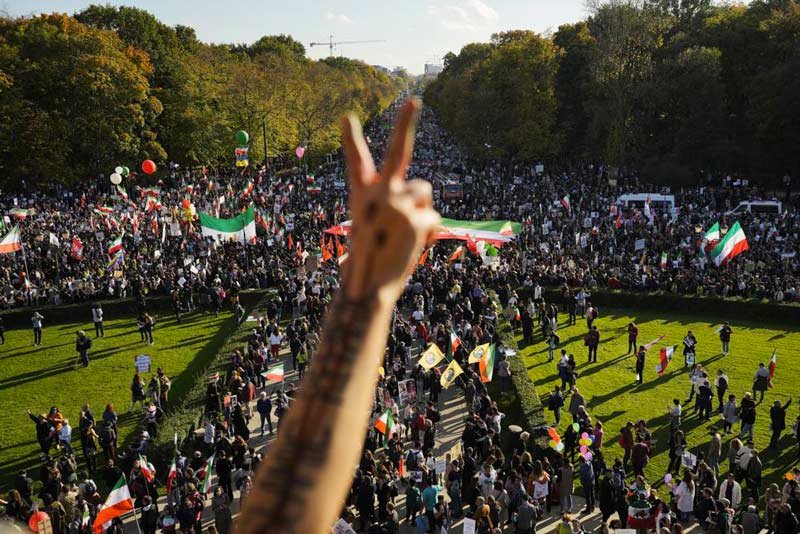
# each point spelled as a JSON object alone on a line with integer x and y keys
{"x": 392, "y": 219}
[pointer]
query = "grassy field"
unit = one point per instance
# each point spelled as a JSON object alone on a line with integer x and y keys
{"x": 36, "y": 378}
{"x": 610, "y": 389}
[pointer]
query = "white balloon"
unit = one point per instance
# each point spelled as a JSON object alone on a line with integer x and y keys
{"x": 116, "y": 179}
{"x": 118, "y": 170}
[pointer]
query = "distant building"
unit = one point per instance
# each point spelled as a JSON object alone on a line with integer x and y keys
{"x": 381, "y": 68}
{"x": 432, "y": 70}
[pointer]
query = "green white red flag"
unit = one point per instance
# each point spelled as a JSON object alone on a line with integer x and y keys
{"x": 118, "y": 503}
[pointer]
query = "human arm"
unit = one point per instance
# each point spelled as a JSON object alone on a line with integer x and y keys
{"x": 307, "y": 473}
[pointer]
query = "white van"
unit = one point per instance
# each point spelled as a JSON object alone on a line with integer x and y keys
{"x": 657, "y": 201}
{"x": 769, "y": 207}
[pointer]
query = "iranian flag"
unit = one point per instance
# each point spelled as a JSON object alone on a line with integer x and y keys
{"x": 118, "y": 503}
{"x": 712, "y": 235}
{"x": 664, "y": 357}
{"x": 104, "y": 210}
{"x": 733, "y": 244}
{"x": 664, "y": 257}
{"x": 773, "y": 362}
{"x": 565, "y": 203}
{"x": 148, "y": 471}
{"x": 486, "y": 365}
{"x": 385, "y": 425}
{"x": 153, "y": 203}
{"x": 313, "y": 189}
{"x": 208, "y": 468}
{"x": 11, "y": 242}
{"x": 618, "y": 224}
{"x": 85, "y": 516}
{"x": 452, "y": 345}
{"x": 241, "y": 228}
{"x": 343, "y": 258}
{"x": 424, "y": 257}
{"x": 457, "y": 253}
{"x": 122, "y": 192}
{"x": 248, "y": 188}
{"x": 173, "y": 472}
{"x": 116, "y": 245}
{"x": 274, "y": 373}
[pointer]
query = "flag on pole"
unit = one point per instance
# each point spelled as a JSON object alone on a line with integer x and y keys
{"x": 618, "y": 224}
{"x": 450, "y": 374}
{"x": 248, "y": 188}
{"x": 664, "y": 357}
{"x": 209, "y": 468}
{"x": 241, "y": 228}
{"x": 711, "y": 236}
{"x": 432, "y": 356}
{"x": 453, "y": 342}
{"x": 486, "y": 364}
{"x": 773, "y": 362}
{"x": 118, "y": 503}
{"x": 385, "y": 425}
{"x": 77, "y": 248}
{"x": 656, "y": 340}
{"x": 122, "y": 192}
{"x": 54, "y": 240}
{"x": 116, "y": 245}
{"x": 479, "y": 353}
{"x": 11, "y": 242}
{"x": 733, "y": 244}
{"x": 148, "y": 472}
{"x": 274, "y": 373}
{"x": 424, "y": 257}
{"x": 173, "y": 472}
{"x": 664, "y": 258}
{"x": 343, "y": 258}
{"x": 565, "y": 202}
{"x": 457, "y": 253}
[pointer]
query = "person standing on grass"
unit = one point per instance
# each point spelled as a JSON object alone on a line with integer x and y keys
{"x": 730, "y": 414}
{"x": 761, "y": 381}
{"x": 777, "y": 416}
{"x": 82, "y": 346}
{"x": 747, "y": 413}
{"x": 593, "y": 341}
{"x": 148, "y": 322}
{"x": 725, "y": 332}
{"x": 633, "y": 335}
{"x": 36, "y": 321}
{"x": 640, "y": 359}
{"x": 97, "y": 319}
{"x": 137, "y": 392}
{"x": 714, "y": 451}
{"x": 721, "y": 383}
{"x": 555, "y": 403}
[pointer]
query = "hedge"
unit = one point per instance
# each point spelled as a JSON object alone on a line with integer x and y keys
{"x": 184, "y": 418}
{"x": 748, "y": 309}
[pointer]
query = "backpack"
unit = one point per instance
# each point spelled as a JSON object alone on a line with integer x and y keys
{"x": 412, "y": 462}
{"x": 595, "y": 313}
{"x": 435, "y": 416}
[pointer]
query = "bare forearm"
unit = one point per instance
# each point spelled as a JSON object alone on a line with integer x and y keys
{"x": 307, "y": 472}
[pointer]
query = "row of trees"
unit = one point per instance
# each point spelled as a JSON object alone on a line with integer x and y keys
{"x": 677, "y": 88}
{"x": 113, "y": 85}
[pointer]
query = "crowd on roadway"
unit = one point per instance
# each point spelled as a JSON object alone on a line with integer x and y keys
{"x": 404, "y": 479}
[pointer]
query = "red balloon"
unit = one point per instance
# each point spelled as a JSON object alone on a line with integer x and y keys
{"x": 148, "y": 166}
{"x": 35, "y": 519}
{"x": 186, "y": 203}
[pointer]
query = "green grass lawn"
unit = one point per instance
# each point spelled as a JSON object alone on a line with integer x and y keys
{"x": 36, "y": 378}
{"x": 609, "y": 386}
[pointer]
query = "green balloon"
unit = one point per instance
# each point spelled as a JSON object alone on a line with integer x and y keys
{"x": 575, "y": 427}
{"x": 242, "y": 137}
{"x": 125, "y": 171}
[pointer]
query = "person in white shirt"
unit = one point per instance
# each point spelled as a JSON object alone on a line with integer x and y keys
{"x": 97, "y": 319}
{"x": 685, "y": 496}
{"x": 731, "y": 490}
{"x": 65, "y": 437}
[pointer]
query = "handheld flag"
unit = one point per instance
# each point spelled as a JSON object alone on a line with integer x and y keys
{"x": 665, "y": 355}
{"x": 147, "y": 470}
{"x": 457, "y": 253}
{"x": 733, "y": 244}
{"x": 209, "y": 468}
{"x": 118, "y": 503}
{"x": 431, "y": 357}
{"x": 173, "y": 472}
{"x": 773, "y": 362}
{"x": 453, "y": 343}
{"x": 116, "y": 245}
{"x": 450, "y": 374}
{"x": 11, "y": 242}
{"x": 241, "y": 228}
{"x": 566, "y": 203}
{"x": 77, "y": 248}
{"x": 386, "y": 426}
{"x": 664, "y": 258}
{"x": 486, "y": 364}
{"x": 656, "y": 340}
{"x": 274, "y": 373}
{"x": 711, "y": 237}
{"x": 479, "y": 353}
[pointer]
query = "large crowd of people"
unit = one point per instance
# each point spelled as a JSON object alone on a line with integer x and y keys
{"x": 503, "y": 485}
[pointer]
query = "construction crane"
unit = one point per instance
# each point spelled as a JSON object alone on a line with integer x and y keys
{"x": 331, "y": 43}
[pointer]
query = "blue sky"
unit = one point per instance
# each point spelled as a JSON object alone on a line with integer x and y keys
{"x": 416, "y": 31}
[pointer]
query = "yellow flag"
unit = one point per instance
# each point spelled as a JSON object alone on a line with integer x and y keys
{"x": 431, "y": 357}
{"x": 479, "y": 353}
{"x": 450, "y": 374}
{"x": 381, "y": 371}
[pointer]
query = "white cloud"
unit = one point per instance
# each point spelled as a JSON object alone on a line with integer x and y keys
{"x": 340, "y": 17}
{"x": 483, "y": 10}
{"x": 452, "y": 17}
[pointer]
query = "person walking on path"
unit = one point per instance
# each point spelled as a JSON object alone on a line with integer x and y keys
{"x": 264, "y": 409}
{"x": 36, "y": 321}
{"x": 82, "y": 346}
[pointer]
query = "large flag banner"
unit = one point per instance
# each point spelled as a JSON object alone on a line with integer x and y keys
{"x": 457, "y": 253}
{"x": 711, "y": 237}
{"x": 241, "y": 228}
{"x": 450, "y": 374}
{"x": 118, "y": 503}
{"x": 773, "y": 362}
{"x": 385, "y": 425}
{"x": 479, "y": 353}
{"x": 494, "y": 232}
{"x": 664, "y": 357}
{"x": 733, "y": 244}
{"x": 241, "y": 156}
{"x": 431, "y": 357}
{"x": 274, "y": 373}
{"x": 486, "y": 365}
{"x": 11, "y": 242}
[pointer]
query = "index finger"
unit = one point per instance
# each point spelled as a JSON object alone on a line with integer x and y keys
{"x": 398, "y": 156}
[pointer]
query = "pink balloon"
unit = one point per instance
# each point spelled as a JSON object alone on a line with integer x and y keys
{"x": 583, "y": 449}
{"x": 585, "y": 435}
{"x": 587, "y": 456}
{"x": 299, "y": 151}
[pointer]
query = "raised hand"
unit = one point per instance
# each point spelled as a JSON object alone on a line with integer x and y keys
{"x": 392, "y": 218}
